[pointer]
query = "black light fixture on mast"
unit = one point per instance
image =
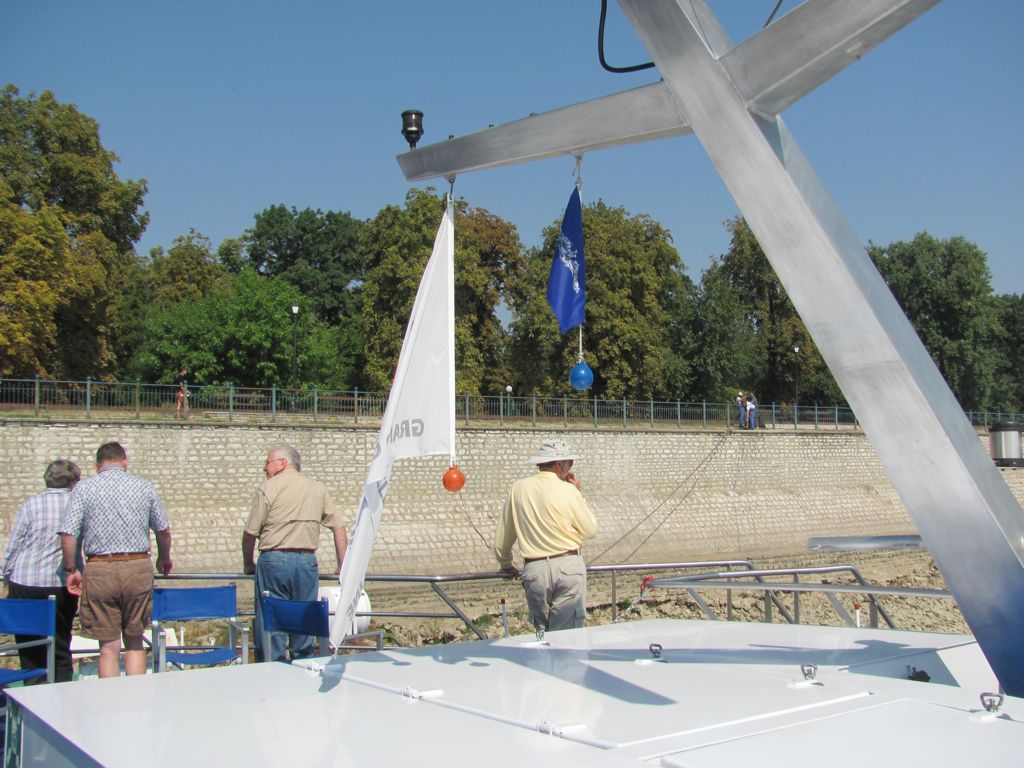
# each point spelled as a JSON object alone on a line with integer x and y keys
{"x": 412, "y": 126}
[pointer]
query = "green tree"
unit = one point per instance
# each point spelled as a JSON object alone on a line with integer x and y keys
{"x": 316, "y": 252}
{"x": 1008, "y": 388}
{"x": 34, "y": 250}
{"x": 53, "y": 164}
{"x": 779, "y": 371}
{"x": 636, "y": 333}
{"x": 241, "y": 332}
{"x": 188, "y": 271}
{"x": 725, "y": 356}
{"x": 945, "y": 288}
{"x": 488, "y": 261}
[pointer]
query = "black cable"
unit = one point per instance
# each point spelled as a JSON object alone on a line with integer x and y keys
{"x": 777, "y": 6}
{"x": 600, "y": 47}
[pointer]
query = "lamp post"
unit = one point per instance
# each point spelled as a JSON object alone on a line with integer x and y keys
{"x": 508, "y": 391}
{"x": 295, "y": 343}
{"x": 796, "y": 386}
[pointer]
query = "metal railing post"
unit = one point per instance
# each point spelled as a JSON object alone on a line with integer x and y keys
{"x": 316, "y": 403}
{"x": 355, "y": 405}
{"x": 231, "y": 401}
{"x": 652, "y": 413}
{"x": 679, "y": 414}
{"x": 37, "y": 396}
{"x": 273, "y": 402}
{"x": 615, "y": 601}
{"x": 138, "y": 398}
{"x": 88, "y": 397}
{"x": 466, "y": 396}
{"x": 596, "y": 410}
{"x": 815, "y": 415}
{"x": 704, "y": 413}
{"x": 624, "y": 406}
{"x": 565, "y": 410}
{"x": 501, "y": 409}
{"x": 796, "y": 416}
{"x": 533, "y": 410}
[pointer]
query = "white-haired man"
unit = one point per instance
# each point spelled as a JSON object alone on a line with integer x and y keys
{"x": 547, "y": 515}
{"x": 285, "y": 519}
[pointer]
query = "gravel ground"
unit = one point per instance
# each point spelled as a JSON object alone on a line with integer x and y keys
{"x": 482, "y": 602}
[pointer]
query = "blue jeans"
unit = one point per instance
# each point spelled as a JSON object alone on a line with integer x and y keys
{"x": 292, "y": 576}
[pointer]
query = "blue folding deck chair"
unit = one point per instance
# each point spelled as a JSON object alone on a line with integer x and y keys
{"x": 298, "y": 617}
{"x": 29, "y": 617}
{"x": 306, "y": 617}
{"x": 197, "y": 604}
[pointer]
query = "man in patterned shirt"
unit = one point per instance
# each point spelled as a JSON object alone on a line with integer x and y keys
{"x": 113, "y": 512}
{"x": 32, "y": 567}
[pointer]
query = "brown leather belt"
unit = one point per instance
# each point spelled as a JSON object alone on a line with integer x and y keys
{"x": 292, "y": 551}
{"x": 115, "y": 557}
{"x": 551, "y": 557}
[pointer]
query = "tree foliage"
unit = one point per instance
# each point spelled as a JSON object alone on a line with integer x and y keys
{"x": 316, "y": 252}
{"x": 34, "y": 254}
{"x": 488, "y": 262}
{"x": 780, "y": 373}
{"x": 187, "y": 272}
{"x": 944, "y": 287}
{"x": 241, "y": 332}
{"x": 54, "y": 167}
{"x": 636, "y": 333}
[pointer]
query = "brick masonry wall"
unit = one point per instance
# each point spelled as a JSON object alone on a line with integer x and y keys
{"x": 658, "y": 496}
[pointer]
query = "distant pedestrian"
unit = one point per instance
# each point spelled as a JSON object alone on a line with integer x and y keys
{"x": 181, "y": 395}
{"x": 751, "y": 411}
{"x": 547, "y": 515}
{"x": 33, "y": 566}
{"x": 113, "y": 512}
{"x": 741, "y": 410}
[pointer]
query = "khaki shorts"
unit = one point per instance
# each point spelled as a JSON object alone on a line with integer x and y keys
{"x": 117, "y": 598}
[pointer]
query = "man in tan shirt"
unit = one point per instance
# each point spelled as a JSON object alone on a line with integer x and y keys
{"x": 285, "y": 519}
{"x": 547, "y": 515}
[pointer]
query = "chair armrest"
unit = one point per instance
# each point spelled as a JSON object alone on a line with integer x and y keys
{"x": 243, "y": 628}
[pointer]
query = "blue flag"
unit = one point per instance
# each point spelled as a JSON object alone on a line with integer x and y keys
{"x": 568, "y": 279}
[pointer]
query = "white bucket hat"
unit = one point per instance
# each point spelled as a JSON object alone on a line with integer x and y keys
{"x": 553, "y": 450}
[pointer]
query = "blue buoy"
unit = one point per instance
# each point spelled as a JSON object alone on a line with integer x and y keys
{"x": 581, "y": 377}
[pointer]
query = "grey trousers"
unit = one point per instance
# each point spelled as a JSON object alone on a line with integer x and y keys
{"x": 556, "y": 592}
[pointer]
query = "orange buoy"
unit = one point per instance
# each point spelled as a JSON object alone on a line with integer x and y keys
{"x": 454, "y": 480}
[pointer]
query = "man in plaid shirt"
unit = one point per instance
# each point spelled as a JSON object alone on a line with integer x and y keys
{"x": 32, "y": 567}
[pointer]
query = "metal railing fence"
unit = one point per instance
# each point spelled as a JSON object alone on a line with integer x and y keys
{"x": 90, "y": 399}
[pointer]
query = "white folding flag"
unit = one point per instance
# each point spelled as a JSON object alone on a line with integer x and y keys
{"x": 420, "y": 416}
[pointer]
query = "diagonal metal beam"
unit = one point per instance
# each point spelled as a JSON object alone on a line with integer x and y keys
{"x": 963, "y": 510}
{"x": 784, "y": 62}
{"x": 637, "y": 115}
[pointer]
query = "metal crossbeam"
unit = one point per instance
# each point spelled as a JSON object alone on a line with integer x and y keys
{"x": 730, "y": 99}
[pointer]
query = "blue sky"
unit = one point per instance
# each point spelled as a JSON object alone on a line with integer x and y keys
{"x": 228, "y": 107}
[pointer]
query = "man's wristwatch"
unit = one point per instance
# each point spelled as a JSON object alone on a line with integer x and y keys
{"x": 70, "y": 570}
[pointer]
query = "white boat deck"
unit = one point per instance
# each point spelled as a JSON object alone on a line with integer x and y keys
{"x": 724, "y": 694}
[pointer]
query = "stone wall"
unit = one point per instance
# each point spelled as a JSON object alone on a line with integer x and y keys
{"x": 658, "y": 496}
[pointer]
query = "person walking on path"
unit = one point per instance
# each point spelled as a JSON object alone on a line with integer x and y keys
{"x": 285, "y": 519}
{"x": 751, "y": 411}
{"x": 548, "y": 516}
{"x": 181, "y": 396}
{"x": 33, "y": 566}
{"x": 113, "y": 512}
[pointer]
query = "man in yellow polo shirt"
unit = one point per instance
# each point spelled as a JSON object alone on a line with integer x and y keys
{"x": 547, "y": 515}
